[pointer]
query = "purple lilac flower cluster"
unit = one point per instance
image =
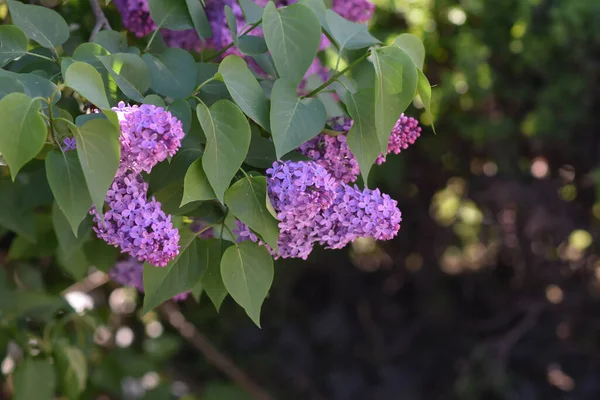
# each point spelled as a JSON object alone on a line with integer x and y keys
{"x": 405, "y": 132}
{"x": 149, "y": 135}
{"x": 130, "y": 272}
{"x": 313, "y": 207}
{"x": 354, "y": 10}
{"x": 132, "y": 222}
{"x": 332, "y": 152}
{"x": 136, "y": 225}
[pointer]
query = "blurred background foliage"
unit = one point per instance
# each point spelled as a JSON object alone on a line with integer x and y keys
{"x": 491, "y": 289}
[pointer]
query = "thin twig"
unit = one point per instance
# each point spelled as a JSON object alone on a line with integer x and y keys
{"x": 188, "y": 331}
{"x": 508, "y": 341}
{"x": 101, "y": 21}
{"x": 89, "y": 283}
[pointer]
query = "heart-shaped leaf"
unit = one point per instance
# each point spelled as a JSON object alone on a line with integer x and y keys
{"x": 293, "y": 120}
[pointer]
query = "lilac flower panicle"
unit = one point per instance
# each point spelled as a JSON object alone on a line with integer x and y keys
{"x": 135, "y": 15}
{"x": 130, "y": 272}
{"x": 69, "y": 144}
{"x": 149, "y": 134}
{"x": 405, "y": 132}
{"x": 354, "y": 10}
{"x": 187, "y": 39}
{"x": 136, "y": 225}
{"x": 313, "y": 207}
{"x": 333, "y": 153}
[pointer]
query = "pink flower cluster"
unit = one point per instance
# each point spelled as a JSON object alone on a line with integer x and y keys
{"x": 333, "y": 153}
{"x": 130, "y": 272}
{"x": 132, "y": 222}
{"x": 314, "y": 207}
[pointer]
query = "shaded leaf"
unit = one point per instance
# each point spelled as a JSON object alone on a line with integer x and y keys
{"x": 261, "y": 153}
{"x": 245, "y": 90}
{"x": 41, "y": 24}
{"x": 39, "y": 371}
{"x": 67, "y": 182}
{"x": 73, "y": 370}
{"x": 293, "y": 35}
{"x": 99, "y": 151}
{"x": 199, "y": 19}
{"x": 293, "y": 120}
{"x": 171, "y": 14}
{"x": 181, "y": 274}
{"x": 13, "y": 44}
{"x": 247, "y": 272}
{"x": 362, "y": 138}
{"x": 246, "y": 200}
{"x": 173, "y": 73}
{"x": 113, "y": 41}
{"x": 227, "y": 141}
{"x": 424, "y": 91}
{"x": 10, "y": 85}
{"x": 23, "y": 130}
{"x": 349, "y": 35}
{"x": 196, "y": 186}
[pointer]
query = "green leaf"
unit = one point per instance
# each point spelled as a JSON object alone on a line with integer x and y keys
{"x": 88, "y": 52}
{"x": 34, "y": 380}
{"x": 113, "y": 41}
{"x": 75, "y": 264}
{"x": 247, "y": 271}
{"x": 67, "y": 240}
{"x": 199, "y": 19}
{"x": 13, "y": 44}
{"x": 170, "y": 14}
{"x": 130, "y": 73}
{"x": 227, "y": 141}
{"x": 293, "y": 120}
{"x": 247, "y": 44}
{"x": 362, "y": 138}
{"x": 23, "y": 130}
{"x": 173, "y": 73}
{"x": 99, "y": 151}
{"x": 84, "y": 78}
{"x": 212, "y": 283}
{"x": 155, "y": 100}
{"x": 245, "y": 89}
{"x": 181, "y": 274}
{"x": 293, "y": 35}
{"x": 100, "y": 254}
{"x": 12, "y": 215}
{"x": 41, "y": 24}
{"x": 318, "y": 8}
{"x": 412, "y": 46}
{"x": 261, "y": 153}
{"x": 181, "y": 110}
{"x": 73, "y": 370}
{"x": 252, "y": 11}
{"x": 67, "y": 182}
{"x": 10, "y": 85}
{"x": 395, "y": 88}
{"x": 196, "y": 186}
{"x": 424, "y": 91}
{"x": 246, "y": 200}
{"x": 349, "y": 35}
{"x": 166, "y": 173}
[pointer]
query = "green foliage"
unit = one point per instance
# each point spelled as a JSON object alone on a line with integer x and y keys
{"x": 247, "y": 199}
{"x": 247, "y": 272}
{"x": 99, "y": 152}
{"x": 237, "y": 122}
{"x": 293, "y": 120}
{"x": 227, "y": 140}
{"x": 14, "y": 44}
{"x": 293, "y": 35}
{"x": 24, "y": 130}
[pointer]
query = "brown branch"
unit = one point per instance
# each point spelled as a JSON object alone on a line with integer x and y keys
{"x": 101, "y": 21}
{"x": 188, "y": 331}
